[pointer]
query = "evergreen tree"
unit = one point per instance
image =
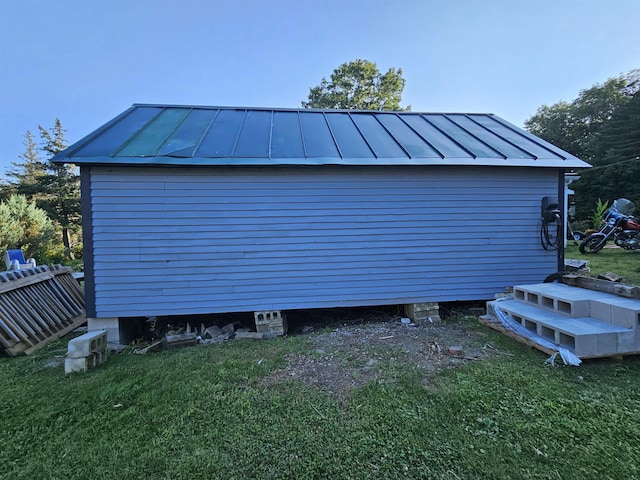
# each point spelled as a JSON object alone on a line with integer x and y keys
{"x": 24, "y": 225}
{"x": 5, "y": 189}
{"x": 59, "y": 193}
{"x": 28, "y": 174}
{"x": 55, "y": 188}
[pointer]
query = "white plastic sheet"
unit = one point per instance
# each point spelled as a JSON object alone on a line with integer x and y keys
{"x": 568, "y": 357}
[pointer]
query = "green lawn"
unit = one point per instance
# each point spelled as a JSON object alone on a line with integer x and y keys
{"x": 203, "y": 412}
{"x": 622, "y": 262}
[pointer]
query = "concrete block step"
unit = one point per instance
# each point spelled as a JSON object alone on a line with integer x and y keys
{"x": 621, "y": 311}
{"x": 579, "y": 303}
{"x": 81, "y": 365}
{"x": 570, "y": 301}
{"x": 87, "y": 344}
{"x": 586, "y": 336}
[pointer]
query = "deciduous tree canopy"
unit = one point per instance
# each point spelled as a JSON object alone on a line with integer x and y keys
{"x": 602, "y": 127}
{"x": 359, "y": 85}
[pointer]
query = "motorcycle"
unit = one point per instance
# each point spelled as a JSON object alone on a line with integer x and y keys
{"x": 619, "y": 224}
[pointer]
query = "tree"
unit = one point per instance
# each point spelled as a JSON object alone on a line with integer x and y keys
{"x": 359, "y": 85}
{"x": 554, "y": 124}
{"x": 575, "y": 126}
{"x": 24, "y": 225}
{"x": 591, "y": 128}
{"x": 60, "y": 188}
{"x": 55, "y": 188}
{"x": 28, "y": 174}
{"x": 5, "y": 189}
{"x": 620, "y": 136}
{"x": 617, "y": 165}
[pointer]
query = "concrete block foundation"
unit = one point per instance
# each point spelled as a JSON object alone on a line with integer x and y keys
{"x": 272, "y": 322}
{"x": 119, "y": 330}
{"x": 423, "y": 312}
{"x": 109, "y": 325}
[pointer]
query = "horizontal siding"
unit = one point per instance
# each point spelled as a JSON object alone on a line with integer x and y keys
{"x": 178, "y": 241}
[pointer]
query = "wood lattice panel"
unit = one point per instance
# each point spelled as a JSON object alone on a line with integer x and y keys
{"x": 37, "y": 306}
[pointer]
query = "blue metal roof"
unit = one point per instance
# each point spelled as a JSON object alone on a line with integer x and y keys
{"x": 223, "y": 136}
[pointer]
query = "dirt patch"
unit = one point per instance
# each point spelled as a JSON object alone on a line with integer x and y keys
{"x": 376, "y": 347}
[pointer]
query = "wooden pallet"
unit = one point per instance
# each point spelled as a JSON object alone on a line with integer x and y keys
{"x": 491, "y": 322}
{"x": 37, "y": 306}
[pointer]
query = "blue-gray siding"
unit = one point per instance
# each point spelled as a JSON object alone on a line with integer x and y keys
{"x": 181, "y": 241}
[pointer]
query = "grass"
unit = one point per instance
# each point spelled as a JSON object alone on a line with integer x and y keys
{"x": 203, "y": 412}
{"x": 625, "y": 263}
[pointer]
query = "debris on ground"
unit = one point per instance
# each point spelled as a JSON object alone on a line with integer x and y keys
{"x": 180, "y": 340}
{"x": 352, "y": 347}
{"x": 356, "y": 352}
{"x": 612, "y": 277}
{"x": 154, "y": 347}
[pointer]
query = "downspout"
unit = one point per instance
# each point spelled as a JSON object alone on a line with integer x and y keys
{"x": 561, "y": 228}
{"x": 87, "y": 241}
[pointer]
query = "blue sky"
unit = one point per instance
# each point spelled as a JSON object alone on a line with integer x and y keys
{"x": 85, "y": 61}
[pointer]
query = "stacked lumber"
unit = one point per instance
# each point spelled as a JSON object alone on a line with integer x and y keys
{"x": 38, "y": 305}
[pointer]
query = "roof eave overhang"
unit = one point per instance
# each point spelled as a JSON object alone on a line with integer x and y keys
{"x": 570, "y": 163}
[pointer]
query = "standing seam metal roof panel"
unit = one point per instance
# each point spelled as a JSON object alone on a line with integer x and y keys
{"x": 224, "y": 136}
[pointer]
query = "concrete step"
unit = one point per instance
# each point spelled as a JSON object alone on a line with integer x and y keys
{"x": 580, "y": 303}
{"x": 586, "y": 336}
{"x": 621, "y": 311}
{"x": 87, "y": 344}
{"x": 570, "y": 301}
{"x": 82, "y": 364}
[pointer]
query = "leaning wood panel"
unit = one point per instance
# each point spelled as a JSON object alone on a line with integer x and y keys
{"x": 37, "y": 306}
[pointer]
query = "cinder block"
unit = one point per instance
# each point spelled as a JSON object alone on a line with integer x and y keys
{"x": 625, "y": 317}
{"x": 586, "y": 345}
{"x": 548, "y": 333}
{"x": 272, "y": 322}
{"x": 601, "y": 311}
{"x": 81, "y": 365}
{"x": 622, "y": 312}
{"x": 566, "y": 340}
{"x": 607, "y": 344}
{"x": 532, "y": 298}
{"x": 628, "y": 342}
{"x": 78, "y": 365}
{"x": 110, "y": 325}
{"x": 547, "y": 302}
{"x": 87, "y": 344}
{"x": 561, "y": 300}
{"x": 573, "y": 308}
{"x": 423, "y": 311}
